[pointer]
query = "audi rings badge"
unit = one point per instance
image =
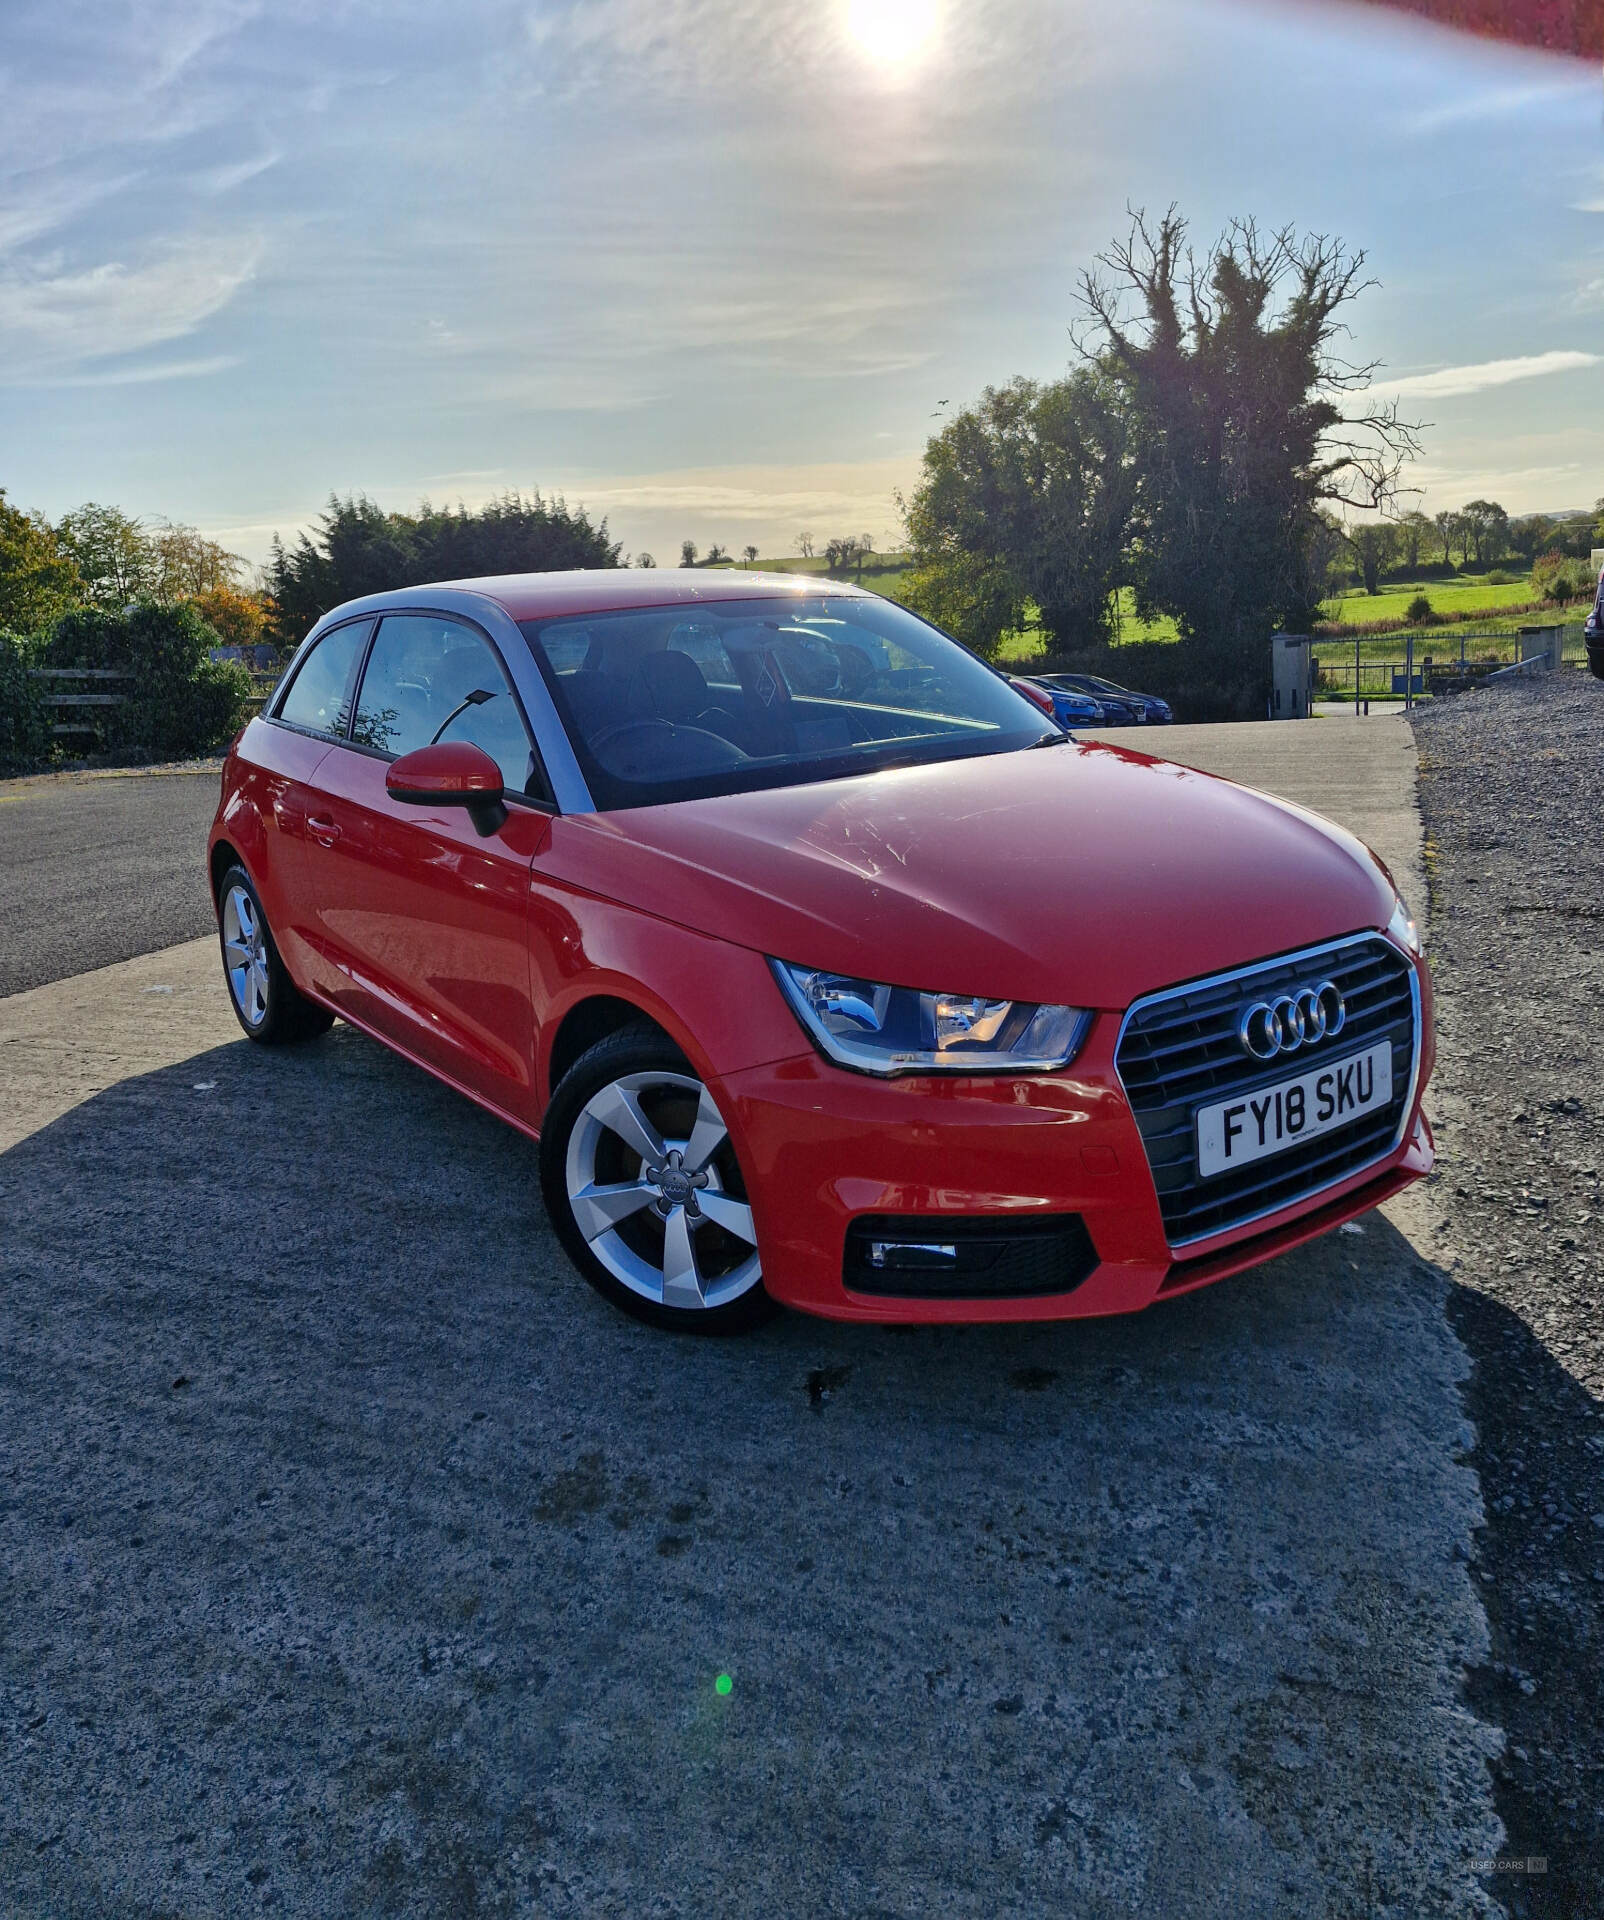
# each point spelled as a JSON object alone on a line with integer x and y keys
{"x": 1270, "y": 1028}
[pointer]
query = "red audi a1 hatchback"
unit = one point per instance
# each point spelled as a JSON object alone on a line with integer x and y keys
{"x": 825, "y": 968}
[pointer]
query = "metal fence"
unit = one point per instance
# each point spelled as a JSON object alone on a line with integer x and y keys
{"x": 1437, "y": 656}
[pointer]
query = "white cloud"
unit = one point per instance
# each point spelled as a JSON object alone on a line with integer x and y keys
{"x": 224, "y": 179}
{"x": 32, "y": 205}
{"x": 1502, "y": 103}
{"x": 147, "y": 375}
{"x": 1453, "y": 382}
{"x": 55, "y": 318}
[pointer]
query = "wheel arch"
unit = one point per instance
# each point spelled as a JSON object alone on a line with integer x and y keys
{"x": 222, "y": 856}
{"x": 589, "y": 1020}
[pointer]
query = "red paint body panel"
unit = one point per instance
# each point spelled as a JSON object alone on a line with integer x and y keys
{"x": 420, "y": 926}
{"x": 1088, "y": 875}
{"x": 267, "y": 790}
{"x": 1080, "y": 874}
{"x": 820, "y": 1145}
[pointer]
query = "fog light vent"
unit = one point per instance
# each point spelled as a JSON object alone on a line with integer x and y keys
{"x": 967, "y": 1257}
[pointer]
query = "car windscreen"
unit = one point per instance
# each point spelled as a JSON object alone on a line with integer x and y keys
{"x": 690, "y": 700}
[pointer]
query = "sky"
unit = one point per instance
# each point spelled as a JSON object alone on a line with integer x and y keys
{"x": 715, "y": 269}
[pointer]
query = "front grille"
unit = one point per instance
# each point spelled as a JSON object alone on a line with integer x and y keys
{"x": 1179, "y": 1051}
{"x": 933, "y": 1256}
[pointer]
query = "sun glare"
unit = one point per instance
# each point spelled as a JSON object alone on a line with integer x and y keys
{"x": 898, "y": 32}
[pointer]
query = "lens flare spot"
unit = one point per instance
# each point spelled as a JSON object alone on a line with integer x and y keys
{"x": 723, "y": 1684}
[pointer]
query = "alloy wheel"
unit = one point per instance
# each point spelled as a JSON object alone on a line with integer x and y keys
{"x": 245, "y": 955}
{"x": 656, "y": 1192}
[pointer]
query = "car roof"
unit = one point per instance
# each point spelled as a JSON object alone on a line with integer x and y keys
{"x": 539, "y": 596}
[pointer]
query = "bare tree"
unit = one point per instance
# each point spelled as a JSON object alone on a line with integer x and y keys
{"x": 749, "y": 555}
{"x": 804, "y": 545}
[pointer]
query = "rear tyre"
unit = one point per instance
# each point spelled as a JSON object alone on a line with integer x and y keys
{"x": 266, "y": 1001}
{"x": 643, "y": 1187}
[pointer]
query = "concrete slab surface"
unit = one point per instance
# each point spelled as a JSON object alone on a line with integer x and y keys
{"x": 355, "y": 1558}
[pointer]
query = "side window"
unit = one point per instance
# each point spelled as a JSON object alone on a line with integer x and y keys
{"x": 316, "y": 698}
{"x": 429, "y": 679}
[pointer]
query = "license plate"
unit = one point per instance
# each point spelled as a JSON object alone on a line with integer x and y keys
{"x": 1232, "y": 1133}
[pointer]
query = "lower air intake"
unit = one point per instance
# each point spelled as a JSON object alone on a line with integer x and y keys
{"x": 972, "y": 1257}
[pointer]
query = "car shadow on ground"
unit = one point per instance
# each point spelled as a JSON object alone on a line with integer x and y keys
{"x": 1540, "y": 1569}
{"x": 359, "y": 1558}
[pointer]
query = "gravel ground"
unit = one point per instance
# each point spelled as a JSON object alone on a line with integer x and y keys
{"x": 1512, "y": 790}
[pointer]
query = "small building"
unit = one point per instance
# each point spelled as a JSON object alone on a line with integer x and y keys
{"x": 1291, "y": 676}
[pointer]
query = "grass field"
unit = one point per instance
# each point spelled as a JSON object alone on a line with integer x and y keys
{"x": 882, "y": 572}
{"x": 1466, "y": 593}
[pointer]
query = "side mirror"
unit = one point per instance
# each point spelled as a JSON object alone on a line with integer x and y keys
{"x": 453, "y": 774}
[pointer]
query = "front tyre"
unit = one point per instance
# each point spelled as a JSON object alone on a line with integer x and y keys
{"x": 643, "y": 1187}
{"x": 266, "y": 1001}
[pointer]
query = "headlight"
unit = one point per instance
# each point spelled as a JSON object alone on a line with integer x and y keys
{"x": 885, "y": 1030}
{"x": 1402, "y": 926}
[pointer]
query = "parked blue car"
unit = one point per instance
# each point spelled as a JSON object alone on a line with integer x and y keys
{"x": 1070, "y": 709}
{"x": 1122, "y": 707}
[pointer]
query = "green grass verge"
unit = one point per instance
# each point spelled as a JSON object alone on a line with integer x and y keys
{"x": 1460, "y": 594}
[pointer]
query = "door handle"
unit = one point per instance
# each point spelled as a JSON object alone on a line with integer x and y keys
{"x": 324, "y": 832}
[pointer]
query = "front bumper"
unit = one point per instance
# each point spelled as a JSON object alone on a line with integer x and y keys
{"x": 821, "y": 1147}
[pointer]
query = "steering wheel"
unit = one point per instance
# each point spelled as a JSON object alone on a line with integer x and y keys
{"x": 727, "y": 754}
{"x": 620, "y": 727}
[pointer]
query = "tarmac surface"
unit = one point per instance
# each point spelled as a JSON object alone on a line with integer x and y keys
{"x": 354, "y": 1557}
{"x": 99, "y": 867}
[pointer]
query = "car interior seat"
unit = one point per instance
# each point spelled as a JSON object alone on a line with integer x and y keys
{"x": 672, "y": 688}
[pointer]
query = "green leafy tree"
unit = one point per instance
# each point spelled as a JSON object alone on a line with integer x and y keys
{"x": 1530, "y": 535}
{"x": 973, "y": 598}
{"x": 1034, "y": 485}
{"x": 1415, "y": 535}
{"x": 1487, "y": 529}
{"x": 1374, "y": 546}
{"x": 189, "y": 565}
{"x": 357, "y": 548}
{"x": 38, "y": 577}
{"x": 115, "y": 555}
{"x": 1244, "y": 419}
